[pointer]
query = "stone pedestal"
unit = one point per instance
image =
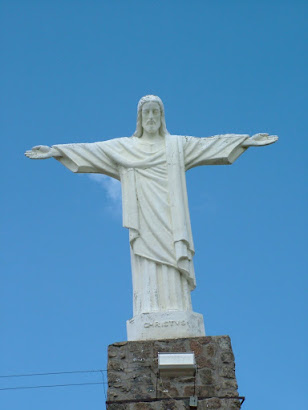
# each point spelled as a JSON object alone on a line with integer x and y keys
{"x": 135, "y": 383}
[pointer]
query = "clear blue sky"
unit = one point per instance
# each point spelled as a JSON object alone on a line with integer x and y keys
{"x": 73, "y": 71}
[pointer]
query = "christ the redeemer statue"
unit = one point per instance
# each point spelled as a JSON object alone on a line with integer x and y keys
{"x": 151, "y": 166}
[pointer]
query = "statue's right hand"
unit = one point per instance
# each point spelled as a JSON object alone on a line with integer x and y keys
{"x": 40, "y": 152}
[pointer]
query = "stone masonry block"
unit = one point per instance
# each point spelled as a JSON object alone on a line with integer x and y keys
{"x": 135, "y": 383}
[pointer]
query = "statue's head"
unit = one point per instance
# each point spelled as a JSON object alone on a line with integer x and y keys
{"x": 153, "y": 105}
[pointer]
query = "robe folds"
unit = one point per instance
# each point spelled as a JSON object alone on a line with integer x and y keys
{"x": 154, "y": 196}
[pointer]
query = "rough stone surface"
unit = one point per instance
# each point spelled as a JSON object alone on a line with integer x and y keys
{"x": 133, "y": 375}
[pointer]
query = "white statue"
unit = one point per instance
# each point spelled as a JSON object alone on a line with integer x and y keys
{"x": 151, "y": 166}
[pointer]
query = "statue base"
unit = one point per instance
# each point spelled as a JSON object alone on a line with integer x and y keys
{"x": 165, "y": 325}
{"x": 135, "y": 382}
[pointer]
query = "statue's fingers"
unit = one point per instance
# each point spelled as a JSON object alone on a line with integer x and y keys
{"x": 32, "y": 155}
{"x": 269, "y": 140}
{"x": 272, "y": 138}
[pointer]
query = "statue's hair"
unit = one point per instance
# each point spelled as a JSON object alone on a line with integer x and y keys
{"x": 150, "y": 98}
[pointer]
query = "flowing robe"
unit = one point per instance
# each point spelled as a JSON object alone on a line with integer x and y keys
{"x": 155, "y": 206}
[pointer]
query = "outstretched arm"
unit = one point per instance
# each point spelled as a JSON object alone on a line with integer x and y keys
{"x": 81, "y": 157}
{"x": 259, "y": 140}
{"x": 217, "y": 150}
{"x": 42, "y": 152}
{"x": 221, "y": 149}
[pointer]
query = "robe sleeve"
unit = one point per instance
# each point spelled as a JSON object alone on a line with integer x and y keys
{"x": 87, "y": 158}
{"x": 217, "y": 150}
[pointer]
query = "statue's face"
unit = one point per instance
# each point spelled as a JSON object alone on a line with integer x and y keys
{"x": 151, "y": 117}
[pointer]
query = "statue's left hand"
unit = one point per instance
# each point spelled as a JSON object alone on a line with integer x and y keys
{"x": 258, "y": 140}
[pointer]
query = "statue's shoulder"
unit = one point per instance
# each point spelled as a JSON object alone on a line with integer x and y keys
{"x": 116, "y": 142}
{"x": 184, "y": 139}
{"x": 176, "y": 137}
